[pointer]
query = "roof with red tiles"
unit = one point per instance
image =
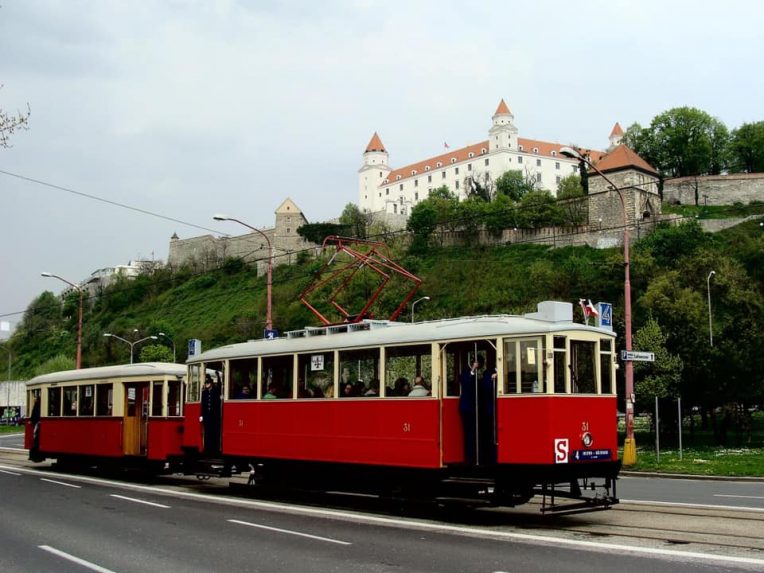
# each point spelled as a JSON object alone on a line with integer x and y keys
{"x": 623, "y": 157}
{"x": 503, "y": 108}
{"x": 617, "y": 131}
{"x": 375, "y": 144}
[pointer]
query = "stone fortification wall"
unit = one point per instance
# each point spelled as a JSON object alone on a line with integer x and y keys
{"x": 715, "y": 189}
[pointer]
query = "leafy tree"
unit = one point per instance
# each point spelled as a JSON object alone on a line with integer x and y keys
{"x": 471, "y": 215}
{"x": 156, "y": 353}
{"x": 422, "y": 222}
{"x": 539, "y": 209}
{"x": 55, "y": 364}
{"x": 317, "y": 232}
{"x": 355, "y": 220}
{"x": 480, "y": 185}
{"x": 514, "y": 184}
{"x": 662, "y": 377}
{"x": 10, "y": 123}
{"x": 747, "y": 147}
{"x": 500, "y": 214}
{"x": 570, "y": 187}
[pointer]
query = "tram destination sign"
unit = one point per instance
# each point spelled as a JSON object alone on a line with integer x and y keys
{"x": 587, "y": 455}
{"x": 636, "y": 356}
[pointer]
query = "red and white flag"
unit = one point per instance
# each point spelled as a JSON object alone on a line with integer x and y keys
{"x": 587, "y": 308}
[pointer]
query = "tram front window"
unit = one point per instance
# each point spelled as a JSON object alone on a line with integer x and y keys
{"x": 606, "y": 366}
{"x": 156, "y": 398}
{"x": 193, "y": 382}
{"x": 174, "y": 398}
{"x": 582, "y": 367}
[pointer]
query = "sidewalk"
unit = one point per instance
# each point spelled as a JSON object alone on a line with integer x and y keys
{"x": 630, "y": 473}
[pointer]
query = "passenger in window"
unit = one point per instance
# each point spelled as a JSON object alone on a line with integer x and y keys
{"x": 401, "y": 387}
{"x": 419, "y": 389}
{"x": 360, "y": 388}
{"x": 348, "y": 390}
{"x": 272, "y": 393}
{"x": 245, "y": 393}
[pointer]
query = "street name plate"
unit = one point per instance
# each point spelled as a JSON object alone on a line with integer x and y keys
{"x": 589, "y": 455}
{"x": 636, "y": 356}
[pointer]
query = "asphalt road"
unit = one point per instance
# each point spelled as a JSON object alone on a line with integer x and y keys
{"x": 56, "y": 522}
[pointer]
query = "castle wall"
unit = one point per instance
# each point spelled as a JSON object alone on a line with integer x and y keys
{"x": 715, "y": 189}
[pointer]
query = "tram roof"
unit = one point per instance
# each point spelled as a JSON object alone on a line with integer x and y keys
{"x": 143, "y": 369}
{"x": 383, "y": 333}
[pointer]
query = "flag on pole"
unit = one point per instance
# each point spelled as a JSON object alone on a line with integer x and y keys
{"x": 446, "y": 145}
{"x": 588, "y": 309}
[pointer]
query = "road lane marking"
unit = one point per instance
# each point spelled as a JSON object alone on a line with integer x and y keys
{"x": 73, "y": 559}
{"x": 61, "y": 483}
{"x": 436, "y": 527}
{"x": 290, "y": 532}
{"x": 140, "y": 501}
{"x": 692, "y": 505}
{"x": 740, "y": 496}
{"x": 9, "y": 473}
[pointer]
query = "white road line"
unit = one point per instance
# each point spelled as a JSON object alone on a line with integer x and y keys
{"x": 740, "y": 496}
{"x": 692, "y": 505}
{"x": 73, "y": 559}
{"x": 140, "y": 501}
{"x": 61, "y": 483}
{"x": 290, "y": 532}
{"x": 441, "y": 528}
{"x": 13, "y": 449}
{"x": 9, "y": 473}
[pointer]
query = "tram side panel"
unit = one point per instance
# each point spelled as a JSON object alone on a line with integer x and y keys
{"x": 453, "y": 432}
{"x": 81, "y": 436}
{"x": 191, "y": 437}
{"x": 553, "y": 430}
{"x": 165, "y": 439}
{"x": 390, "y": 432}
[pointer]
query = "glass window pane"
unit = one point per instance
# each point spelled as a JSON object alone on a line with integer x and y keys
{"x": 359, "y": 369}
{"x": 104, "y": 393}
{"x": 87, "y": 400}
{"x": 606, "y": 366}
{"x": 582, "y": 373}
{"x": 315, "y": 376}
{"x": 276, "y": 378}
{"x": 243, "y": 381}
{"x": 193, "y": 382}
{"x": 531, "y": 372}
{"x": 403, "y": 364}
{"x": 70, "y": 401}
{"x": 54, "y": 401}
{"x": 560, "y": 364}
{"x": 156, "y": 398}
{"x": 174, "y": 399}
{"x": 510, "y": 366}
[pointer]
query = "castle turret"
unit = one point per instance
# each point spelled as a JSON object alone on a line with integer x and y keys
{"x": 503, "y": 134}
{"x": 616, "y": 136}
{"x": 371, "y": 174}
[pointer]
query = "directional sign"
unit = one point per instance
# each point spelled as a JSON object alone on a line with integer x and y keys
{"x": 270, "y": 334}
{"x": 194, "y": 347}
{"x": 636, "y": 356}
{"x": 589, "y": 455}
{"x": 605, "y": 318}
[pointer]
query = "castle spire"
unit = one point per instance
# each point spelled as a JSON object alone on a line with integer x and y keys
{"x": 503, "y": 108}
{"x": 375, "y": 144}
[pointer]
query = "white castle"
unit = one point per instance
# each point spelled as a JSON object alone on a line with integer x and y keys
{"x": 395, "y": 191}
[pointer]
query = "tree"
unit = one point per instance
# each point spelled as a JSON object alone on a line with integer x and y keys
{"x": 317, "y": 232}
{"x": 480, "y": 185}
{"x": 539, "y": 209}
{"x": 156, "y": 353}
{"x": 680, "y": 142}
{"x": 57, "y": 363}
{"x": 514, "y": 184}
{"x": 570, "y": 187}
{"x": 662, "y": 377}
{"x": 10, "y": 123}
{"x": 422, "y": 222}
{"x": 355, "y": 220}
{"x": 747, "y": 148}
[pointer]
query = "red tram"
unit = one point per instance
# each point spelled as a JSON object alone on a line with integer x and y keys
{"x": 121, "y": 415}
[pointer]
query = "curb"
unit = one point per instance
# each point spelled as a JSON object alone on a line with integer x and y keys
{"x": 691, "y": 476}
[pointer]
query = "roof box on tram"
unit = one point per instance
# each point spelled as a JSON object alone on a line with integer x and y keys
{"x": 552, "y": 311}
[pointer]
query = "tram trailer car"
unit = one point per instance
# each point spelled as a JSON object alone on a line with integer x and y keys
{"x": 337, "y": 407}
{"x": 120, "y": 416}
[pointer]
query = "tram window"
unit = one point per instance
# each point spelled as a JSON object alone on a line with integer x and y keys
{"x": 174, "y": 398}
{"x": 54, "y": 401}
{"x": 532, "y": 367}
{"x": 87, "y": 399}
{"x": 276, "y": 378}
{"x": 194, "y": 372}
{"x": 104, "y": 394}
{"x": 560, "y": 365}
{"x": 606, "y": 366}
{"x": 243, "y": 379}
{"x": 403, "y": 364}
{"x": 582, "y": 367}
{"x": 70, "y": 401}
{"x": 510, "y": 367}
{"x": 361, "y": 369}
{"x": 156, "y": 398}
{"x": 315, "y": 375}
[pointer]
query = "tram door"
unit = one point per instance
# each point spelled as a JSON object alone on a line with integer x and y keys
{"x": 136, "y": 418}
{"x": 477, "y": 399}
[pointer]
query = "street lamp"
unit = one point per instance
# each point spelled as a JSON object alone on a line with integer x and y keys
{"x": 132, "y": 344}
{"x": 79, "y": 320}
{"x": 171, "y": 342}
{"x": 413, "y": 305}
{"x": 269, "y": 278}
{"x": 629, "y": 445}
{"x": 710, "y": 322}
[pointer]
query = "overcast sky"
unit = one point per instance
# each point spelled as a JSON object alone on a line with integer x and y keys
{"x": 191, "y": 108}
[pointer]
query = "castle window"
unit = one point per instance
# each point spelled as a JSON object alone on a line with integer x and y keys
{"x": 535, "y": 150}
{"x": 395, "y": 207}
{"x": 471, "y": 155}
{"x": 469, "y": 167}
{"x": 429, "y": 179}
{"x": 575, "y": 168}
{"x": 486, "y": 162}
{"x": 558, "y": 179}
{"x": 538, "y": 177}
{"x": 416, "y": 182}
{"x": 289, "y": 230}
{"x": 413, "y": 172}
{"x": 380, "y": 174}
{"x": 520, "y": 147}
{"x": 556, "y": 164}
{"x": 427, "y": 168}
{"x": 457, "y": 185}
{"x": 554, "y": 153}
{"x": 444, "y": 174}
{"x": 387, "y": 191}
{"x": 416, "y": 196}
{"x": 439, "y": 164}
{"x": 398, "y": 177}
{"x": 538, "y": 163}
{"x": 482, "y": 151}
{"x": 400, "y": 187}
{"x": 453, "y": 160}
{"x": 456, "y": 170}
{"x": 520, "y": 159}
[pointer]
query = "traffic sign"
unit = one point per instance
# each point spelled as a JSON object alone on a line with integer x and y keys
{"x": 194, "y": 347}
{"x": 270, "y": 334}
{"x": 605, "y": 317}
{"x": 636, "y": 356}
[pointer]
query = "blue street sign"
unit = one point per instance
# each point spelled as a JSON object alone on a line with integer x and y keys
{"x": 590, "y": 455}
{"x": 270, "y": 334}
{"x": 605, "y": 319}
{"x": 194, "y": 347}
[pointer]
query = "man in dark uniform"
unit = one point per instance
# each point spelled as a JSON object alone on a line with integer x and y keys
{"x": 468, "y": 408}
{"x": 211, "y": 416}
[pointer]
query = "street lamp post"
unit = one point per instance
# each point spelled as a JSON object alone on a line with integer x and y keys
{"x": 132, "y": 344}
{"x": 629, "y": 445}
{"x": 79, "y": 320}
{"x": 171, "y": 342}
{"x": 710, "y": 320}
{"x": 269, "y": 278}
{"x": 413, "y": 305}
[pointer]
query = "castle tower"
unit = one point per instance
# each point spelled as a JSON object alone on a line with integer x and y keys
{"x": 503, "y": 134}
{"x": 615, "y": 136}
{"x": 371, "y": 174}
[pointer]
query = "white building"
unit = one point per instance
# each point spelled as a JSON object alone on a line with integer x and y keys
{"x": 384, "y": 189}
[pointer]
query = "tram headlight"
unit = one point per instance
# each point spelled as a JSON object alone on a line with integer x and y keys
{"x": 587, "y": 440}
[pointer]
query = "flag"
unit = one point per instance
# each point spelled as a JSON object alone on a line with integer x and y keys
{"x": 591, "y": 309}
{"x": 446, "y": 145}
{"x": 587, "y": 308}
